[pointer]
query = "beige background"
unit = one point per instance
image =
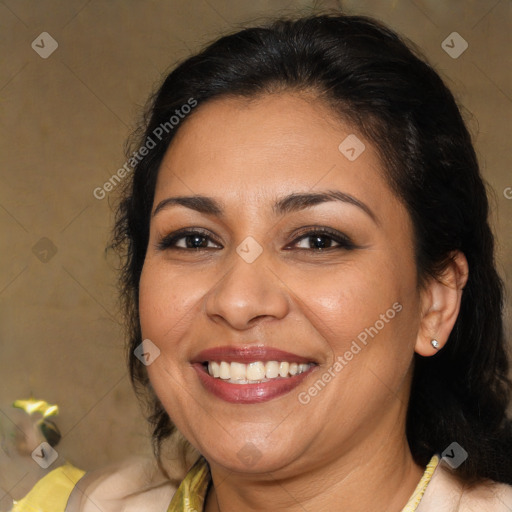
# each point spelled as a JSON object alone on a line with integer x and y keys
{"x": 63, "y": 123}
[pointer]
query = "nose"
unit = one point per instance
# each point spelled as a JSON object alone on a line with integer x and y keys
{"x": 247, "y": 294}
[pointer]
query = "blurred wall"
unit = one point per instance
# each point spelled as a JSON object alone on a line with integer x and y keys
{"x": 66, "y": 111}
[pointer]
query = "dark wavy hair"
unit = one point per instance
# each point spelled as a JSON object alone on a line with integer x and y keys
{"x": 371, "y": 78}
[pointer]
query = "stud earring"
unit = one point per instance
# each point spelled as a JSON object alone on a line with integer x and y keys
{"x": 435, "y": 344}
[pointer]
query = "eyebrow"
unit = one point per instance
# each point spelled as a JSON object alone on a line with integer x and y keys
{"x": 291, "y": 203}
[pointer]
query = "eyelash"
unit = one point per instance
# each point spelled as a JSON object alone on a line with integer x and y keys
{"x": 168, "y": 242}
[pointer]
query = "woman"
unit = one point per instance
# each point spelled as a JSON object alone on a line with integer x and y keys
{"x": 310, "y": 285}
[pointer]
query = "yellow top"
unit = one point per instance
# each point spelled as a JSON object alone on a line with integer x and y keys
{"x": 51, "y": 493}
{"x": 418, "y": 493}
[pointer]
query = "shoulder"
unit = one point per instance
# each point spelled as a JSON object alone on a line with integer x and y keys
{"x": 445, "y": 493}
{"x": 137, "y": 484}
{"x": 490, "y": 497}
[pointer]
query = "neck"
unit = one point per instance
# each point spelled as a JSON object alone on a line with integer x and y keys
{"x": 378, "y": 474}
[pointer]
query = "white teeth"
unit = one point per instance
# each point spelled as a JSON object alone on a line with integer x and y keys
{"x": 238, "y": 371}
{"x": 303, "y": 368}
{"x": 271, "y": 369}
{"x": 214, "y": 369}
{"x": 255, "y": 371}
{"x": 258, "y": 371}
{"x": 225, "y": 372}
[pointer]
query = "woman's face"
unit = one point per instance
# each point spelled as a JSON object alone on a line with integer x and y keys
{"x": 271, "y": 247}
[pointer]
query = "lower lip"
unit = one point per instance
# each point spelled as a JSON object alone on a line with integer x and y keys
{"x": 249, "y": 393}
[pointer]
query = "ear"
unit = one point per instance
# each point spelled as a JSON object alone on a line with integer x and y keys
{"x": 440, "y": 305}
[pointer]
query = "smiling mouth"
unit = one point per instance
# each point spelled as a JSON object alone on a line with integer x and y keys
{"x": 251, "y": 373}
{"x": 254, "y": 372}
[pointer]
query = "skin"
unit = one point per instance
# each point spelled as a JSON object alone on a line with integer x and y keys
{"x": 346, "y": 449}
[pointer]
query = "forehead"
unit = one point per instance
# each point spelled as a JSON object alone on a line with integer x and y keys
{"x": 237, "y": 148}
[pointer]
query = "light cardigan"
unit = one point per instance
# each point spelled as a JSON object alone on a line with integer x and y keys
{"x": 141, "y": 487}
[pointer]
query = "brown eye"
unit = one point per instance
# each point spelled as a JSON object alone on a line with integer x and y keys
{"x": 317, "y": 242}
{"x": 322, "y": 239}
{"x": 184, "y": 240}
{"x": 193, "y": 242}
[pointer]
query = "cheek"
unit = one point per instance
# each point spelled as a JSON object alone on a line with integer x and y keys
{"x": 366, "y": 314}
{"x": 166, "y": 308}
{"x": 347, "y": 301}
{"x": 366, "y": 320}
{"x": 159, "y": 320}
{"x": 166, "y": 299}
{"x": 155, "y": 297}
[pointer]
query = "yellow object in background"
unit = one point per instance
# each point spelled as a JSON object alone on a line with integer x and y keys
{"x": 32, "y": 405}
{"x": 51, "y": 493}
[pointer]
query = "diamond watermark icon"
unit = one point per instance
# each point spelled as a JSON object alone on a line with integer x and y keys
{"x": 454, "y": 45}
{"x": 146, "y": 352}
{"x": 44, "y": 45}
{"x": 351, "y": 147}
{"x": 249, "y": 249}
{"x": 249, "y": 454}
{"x": 454, "y": 455}
{"x": 44, "y": 250}
{"x": 45, "y": 455}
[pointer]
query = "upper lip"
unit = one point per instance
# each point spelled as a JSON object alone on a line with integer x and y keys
{"x": 248, "y": 354}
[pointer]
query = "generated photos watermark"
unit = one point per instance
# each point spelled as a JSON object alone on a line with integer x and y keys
{"x": 355, "y": 348}
{"x": 150, "y": 143}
